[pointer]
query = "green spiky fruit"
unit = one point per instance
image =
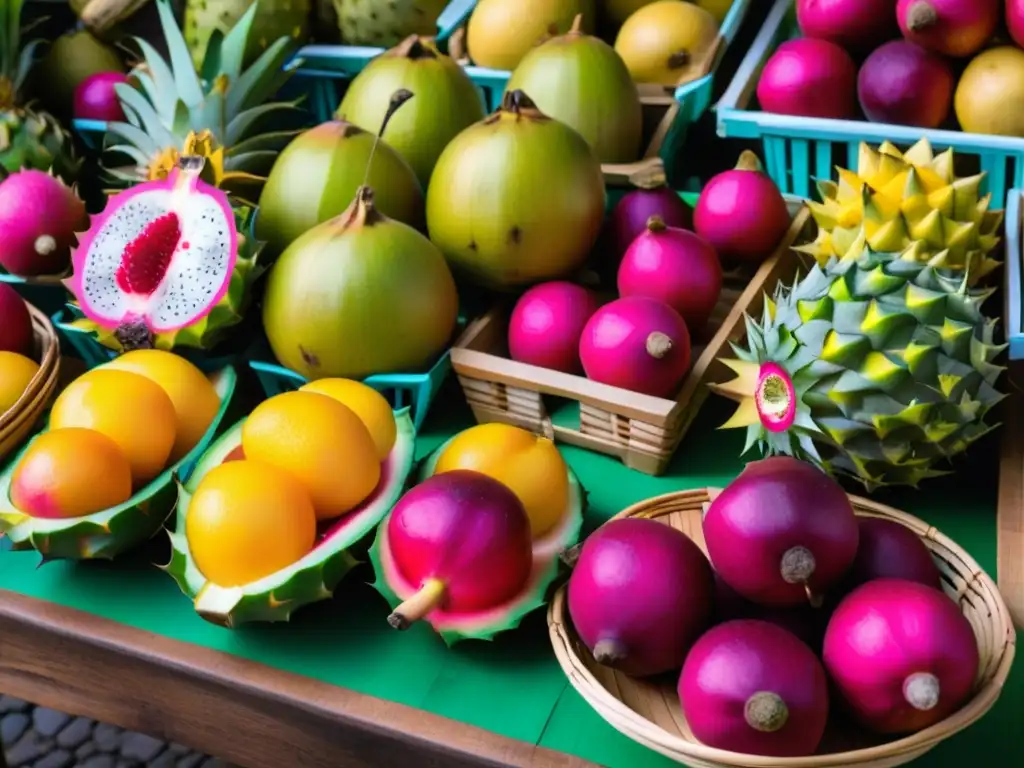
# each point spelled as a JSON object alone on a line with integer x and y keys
{"x": 484, "y": 624}
{"x": 898, "y": 200}
{"x": 107, "y": 534}
{"x": 274, "y": 19}
{"x": 369, "y": 22}
{"x": 880, "y": 368}
{"x": 315, "y": 576}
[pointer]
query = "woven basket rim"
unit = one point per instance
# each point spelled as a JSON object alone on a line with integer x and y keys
{"x": 45, "y": 380}
{"x": 640, "y": 729}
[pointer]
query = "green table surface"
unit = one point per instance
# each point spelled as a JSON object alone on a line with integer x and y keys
{"x": 512, "y": 686}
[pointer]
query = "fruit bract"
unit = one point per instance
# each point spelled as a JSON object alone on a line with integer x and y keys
{"x": 905, "y": 84}
{"x": 317, "y": 176}
{"x": 888, "y": 550}
{"x": 782, "y": 532}
{"x": 501, "y": 32}
{"x": 517, "y": 198}
{"x": 71, "y": 473}
{"x": 360, "y": 294}
{"x": 368, "y": 404}
{"x": 809, "y": 78}
{"x": 951, "y": 27}
{"x": 676, "y": 267}
{"x": 640, "y": 594}
{"x": 441, "y": 497}
{"x": 15, "y": 322}
{"x": 638, "y": 344}
{"x": 1015, "y": 20}
{"x": 39, "y": 217}
{"x": 581, "y": 81}
{"x": 546, "y": 324}
{"x": 857, "y": 25}
{"x": 16, "y": 373}
{"x": 661, "y": 41}
{"x": 96, "y": 99}
{"x": 901, "y": 655}
{"x": 445, "y": 103}
{"x": 652, "y": 197}
{"x": 109, "y": 532}
{"x": 749, "y": 686}
{"x": 742, "y": 213}
{"x": 993, "y": 79}
{"x": 313, "y": 577}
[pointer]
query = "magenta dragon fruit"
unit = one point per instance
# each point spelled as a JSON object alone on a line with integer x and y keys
{"x": 168, "y": 263}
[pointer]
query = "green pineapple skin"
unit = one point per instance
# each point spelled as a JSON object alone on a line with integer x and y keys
{"x": 36, "y": 140}
{"x": 385, "y": 23}
{"x": 274, "y": 19}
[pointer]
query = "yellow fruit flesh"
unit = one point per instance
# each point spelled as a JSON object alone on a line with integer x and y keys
{"x": 368, "y": 404}
{"x": 247, "y": 520}
{"x": 993, "y": 80}
{"x": 129, "y": 409}
{"x": 70, "y": 473}
{"x": 530, "y": 466}
{"x": 193, "y": 396}
{"x": 16, "y": 372}
{"x": 665, "y": 41}
{"x": 321, "y": 443}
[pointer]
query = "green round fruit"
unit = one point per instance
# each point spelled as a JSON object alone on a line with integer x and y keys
{"x": 374, "y": 23}
{"x": 317, "y": 176}
{"x": 445, "y": 102}
{"x": 517, "y": 198}
{"x": 358, "y": 295}
{"x": 71, "y": 59}
{"x": 582, "y": 81}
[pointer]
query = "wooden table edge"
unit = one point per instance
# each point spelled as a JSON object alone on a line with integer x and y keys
{"x": 1010, "y": 504}
{"x": 59, "y": 657}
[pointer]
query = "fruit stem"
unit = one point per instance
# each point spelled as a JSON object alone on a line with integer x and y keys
{"x": 398, "y": 98}
{"x": 765, "y": 712}
{"x": 609, "y": 652}
{"x": 44, "y": 245}
{"x": 921, "y": 690}
{"x": 656, "y": 224}
{"x": 414, "y": 48}
{"x": 649, "y": 177}
{"x": 679, "y": 59}
{"x": 921, "y": 15}
{"x": 797, "y": 565}
{"x": 517, "y": 102}
{"x": 134, "y": 334}
{"x": 419, "y": 605}
{"x": 571, "y": 555}
{"x": 658, "y": 345}
{"x": 577, "y": 25}
{"x": 749, "y": 162}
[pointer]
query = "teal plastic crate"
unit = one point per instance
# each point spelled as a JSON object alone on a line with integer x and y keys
{"x": 798, "y": 150}
{"x": 1013, "y": 273}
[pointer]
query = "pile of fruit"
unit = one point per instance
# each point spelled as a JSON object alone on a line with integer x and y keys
{"x": 806, "y": 615}
{"x": 17, "y": 368}
{"x": 904, "y": 62}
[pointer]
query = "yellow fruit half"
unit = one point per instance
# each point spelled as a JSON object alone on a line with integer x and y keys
{"x": 530, "y": 466}
{"x": 662, "y": 42}
{"x": 129, "y": 409}
{"x": 71, "y": 473}
{"x": 320, "y": 442}
{"x": 367, "y": 403}
{"x": 193, "y": 396}
{"x": 988, "y": 92}
{"x": 16, "y": 372}
{"x": 246, "y": 520}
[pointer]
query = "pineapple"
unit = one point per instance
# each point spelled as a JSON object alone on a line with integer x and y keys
{"x": 274, "y": 19}
{"x": 219, "y": 112}
{"x": 28, "y": 139}
{"x": 878, "y": 367}
{"x": 895, "y": 200}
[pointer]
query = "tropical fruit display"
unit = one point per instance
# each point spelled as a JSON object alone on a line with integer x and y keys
{"x": 795, "y": 618}
{"x": 265, "y": 521}
{"x": 99, "y": 479}
{"x": 473, "y": 547}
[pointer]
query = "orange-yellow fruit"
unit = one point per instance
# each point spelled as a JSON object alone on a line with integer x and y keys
{"x": 529, "y": 465}
{"x": 319, "y": 441}
{"x": 129, "y": 409}
{"x": 993, "y": 80}
{"x": 71, "y": 473}
{"x": 193, "y": 396}
{"x": 247, "y": 520}
{"x": 16, "y": 372}
{"x": 662, "y": 42}
{"x": 372, "y": 408}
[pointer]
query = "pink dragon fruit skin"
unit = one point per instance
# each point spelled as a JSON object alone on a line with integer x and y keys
{"x": 134, "y": 264}
{"x": 39, "y": 216}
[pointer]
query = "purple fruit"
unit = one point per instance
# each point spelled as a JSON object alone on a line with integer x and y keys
{"x": 904, "y": 84}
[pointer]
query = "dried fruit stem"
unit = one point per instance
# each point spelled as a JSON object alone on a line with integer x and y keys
{"x": 419, "y": 605}
{"x": 577, "y": 25}
{"x": 656, "y": 224}
{"x": 45, "y": 245}
{"x": 749, "y": 162}
{"x": 921, "y": 15}
{"x": 571, "y": 555}
{"x": 765, "y": 712}
{"x": 609, "y": 652}
{"x": 413, "y": 48}
{"x": 649, "y": 177}
{"x": 679, "y": 59}
{"x": 797, "y": 565}
{"x": 921, "y": 690}
{"x": 658, "y": 345}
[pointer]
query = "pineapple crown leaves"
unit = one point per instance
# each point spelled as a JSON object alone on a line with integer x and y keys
{"x": 15, "y": 61}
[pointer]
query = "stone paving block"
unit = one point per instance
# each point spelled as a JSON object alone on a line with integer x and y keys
{"x": 140, "y": 747}
{"x": 190, "y": 761}
{"x": 86, "y": 751}
{"x": 107, "y": 737}
{"x": 49, "y": 722}
{"x": 98, "y": 761}
{"x": 75, "y": 733}
{"x": 27, "y": 750}
{"x": 13, "y": 727}
{"x": 11, "y": 704}
{"x": 59, "y": 758}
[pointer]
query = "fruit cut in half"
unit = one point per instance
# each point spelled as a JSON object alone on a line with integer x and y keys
{"x": 311, "y": 578}
{"x": 106, "y": 534}
{"x": 485, "y": 623}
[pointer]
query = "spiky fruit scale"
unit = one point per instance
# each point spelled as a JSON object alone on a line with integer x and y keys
{"x": 365, "y": 22}
{"x": 484, "y": 625}
{"x": 274, "y": 19}
{"x": 315, "y": 576}
{"x": 111, "y": 532}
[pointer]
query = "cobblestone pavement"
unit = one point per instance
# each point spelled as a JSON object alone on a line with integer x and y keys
{"x": 37, "y": 737}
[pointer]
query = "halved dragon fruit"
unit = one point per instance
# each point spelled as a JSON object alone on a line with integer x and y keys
{"x": 107, "y": 534}
{"x": 315, "y": 576}
{"x": 167, "y": 263}
{"x": 485, "y": 623}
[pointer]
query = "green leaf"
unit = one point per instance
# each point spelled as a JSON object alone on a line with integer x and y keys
{"x": 275, "y": 141}
{"x": 232, "y": 52}
{"x": 252, "y": 162}
{"x": 189, "y": 89}
{"x": 149, "y": 120}
{"x": 164, "y": 86}
{"x": 211, "y": 115}
{"x": 181, "y": 123}
{"x": 245, "y": 121}
{"x": 258, "y": 83}
{"x": 25, "y": 62}
{"x": 212, "y": 58}
{"x": 135, "y": 136}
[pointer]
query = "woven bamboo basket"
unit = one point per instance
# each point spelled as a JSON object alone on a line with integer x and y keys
{"x": 17, "y": 423}
{"x": 649, "y": 712}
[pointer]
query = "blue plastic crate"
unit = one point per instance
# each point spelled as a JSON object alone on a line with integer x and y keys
{"x": 798, "y": 150}
{"x": 1013, "y": 273}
